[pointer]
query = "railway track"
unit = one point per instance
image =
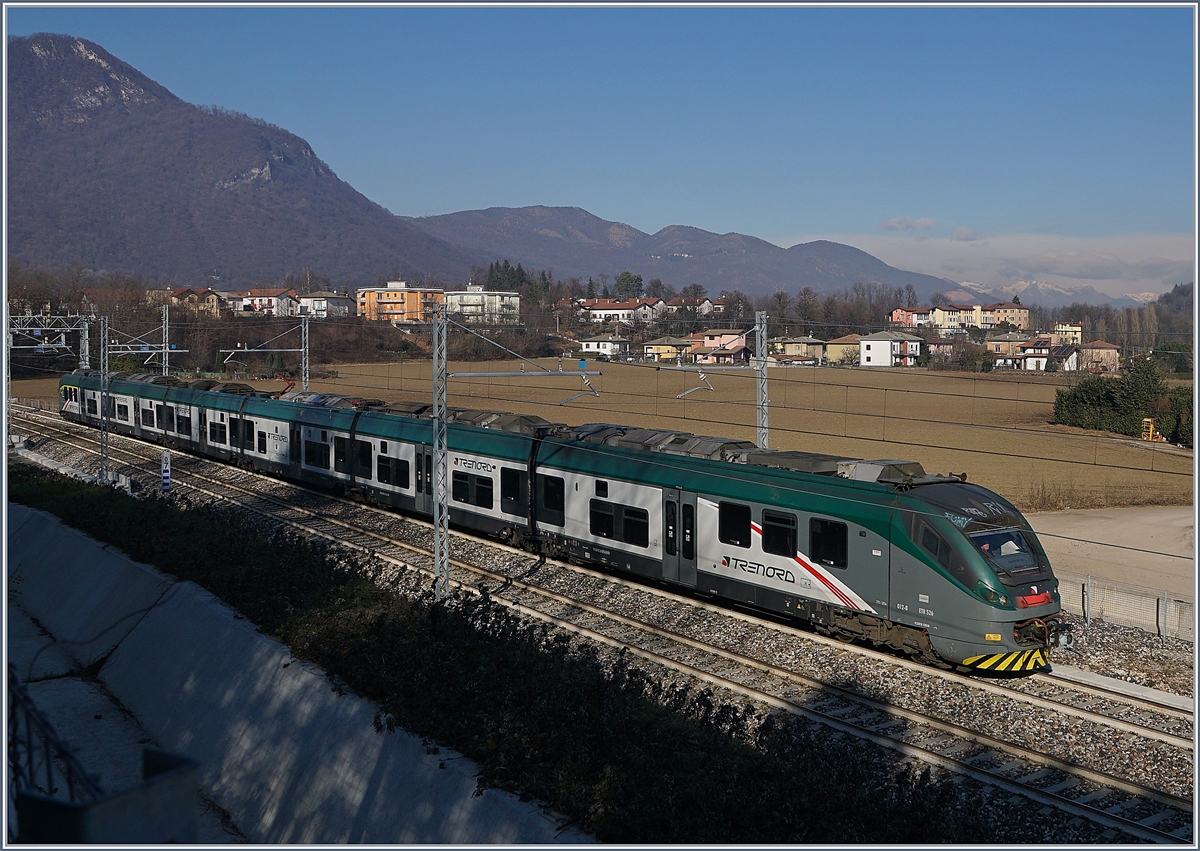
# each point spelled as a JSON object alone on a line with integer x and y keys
{"x": 614, "y": 611}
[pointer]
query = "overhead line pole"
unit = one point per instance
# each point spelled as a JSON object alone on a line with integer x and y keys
{"x": 441, "y": 494}
{"x": 104, "y": 400}
{"x": 760, "y": 369}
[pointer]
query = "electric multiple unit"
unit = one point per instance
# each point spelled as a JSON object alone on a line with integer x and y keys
{"x": 945, "y": 571}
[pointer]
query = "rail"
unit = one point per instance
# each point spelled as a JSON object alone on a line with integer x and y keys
{"x": 1160, "y": 612}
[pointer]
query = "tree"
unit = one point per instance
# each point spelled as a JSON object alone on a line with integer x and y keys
{"x": 910, "y": 296}
{"x": 628, "y": 285}
{"x": 808, "y": 307}
{"x": 939, "y": 300}
{"x": 591, "y": 288}
{"x": 695, "y": 292}
{"x": 738, "y": 305}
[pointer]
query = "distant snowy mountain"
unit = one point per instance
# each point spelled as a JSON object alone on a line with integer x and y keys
{"x": 1047, "y": 295}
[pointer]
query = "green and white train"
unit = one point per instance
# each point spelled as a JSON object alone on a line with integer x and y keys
{"x": 945, "y": 571}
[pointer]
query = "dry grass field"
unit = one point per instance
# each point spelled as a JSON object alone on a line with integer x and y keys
{"x": 992, "y": 427}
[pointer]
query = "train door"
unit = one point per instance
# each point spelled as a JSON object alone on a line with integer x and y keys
{"x": 423, "y": 462}
{"x": 687, "y": 539}
{"x": 670, "y": 534}
{"x": 294, "y": 447}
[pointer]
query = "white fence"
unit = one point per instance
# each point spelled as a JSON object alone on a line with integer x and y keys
{"x": 1162, "y": 613}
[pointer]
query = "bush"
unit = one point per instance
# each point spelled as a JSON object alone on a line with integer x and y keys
{"x": 1119, "y": 405}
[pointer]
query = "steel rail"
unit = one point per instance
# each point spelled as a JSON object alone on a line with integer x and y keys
{"x": 990, "y": 686}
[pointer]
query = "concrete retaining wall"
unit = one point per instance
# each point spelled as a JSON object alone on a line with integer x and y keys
{"x": 287, "y": 756}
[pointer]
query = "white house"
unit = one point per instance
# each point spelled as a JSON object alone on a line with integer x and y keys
{"x": 475, "y": 304}
{"x": 888, "y": 348}
{"x": 323, "y": 305}
{"x": 609, "y": 345}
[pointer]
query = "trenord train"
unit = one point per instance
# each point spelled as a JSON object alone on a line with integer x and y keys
{"x": 942, "y": 570}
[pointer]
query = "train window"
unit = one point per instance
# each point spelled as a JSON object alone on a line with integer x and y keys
{"x": 635, "y": 527}
{"x": 483, "y": 491}
{"x": 393, "y": 471}
{"x": 460, "y": 487}
{"x": 216, "y": 433}
{"x": 734, "y": 524}
{"x": 935, "y": 545}
{"x": 183, "y": 424}
{"x": 688, "y": 546}
{"x": 669, "y": 531}
{"x": 316, "y": 454}
{"x": 512, "y": 491}
{"x": 341, "y": 455}
{"x": 602, "y": 489}
{"x": 420, "y": 477}
{"x": 827, "y": 542}
{"x": 262, "y": 442}
{"x": 779, "y": 533}
{"x": 429, "y": 474}
{"x": 553, "y": 493}
{"x": 166, "y": 418}
{"x": 248, "y": 433}
{"x": 122, "y": 412}
{"x": 148, "y": 417}
{"x": 91, "y": 406}
{"x": 362, "y": 467}
{"x": 383, "y": 446}
{"x": 603, "y": 524}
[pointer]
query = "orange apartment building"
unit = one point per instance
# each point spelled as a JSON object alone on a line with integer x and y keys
{"x": 399, "y": 303}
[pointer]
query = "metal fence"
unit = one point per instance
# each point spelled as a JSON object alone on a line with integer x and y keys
{"x": 38, "y": 761}
{"x": 1158, "y": 612}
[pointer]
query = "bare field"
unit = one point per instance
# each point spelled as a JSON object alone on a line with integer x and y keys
{"x": 992, "y": 427}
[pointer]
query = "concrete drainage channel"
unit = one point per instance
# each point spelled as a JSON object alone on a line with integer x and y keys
{"x": 289, "y": 759}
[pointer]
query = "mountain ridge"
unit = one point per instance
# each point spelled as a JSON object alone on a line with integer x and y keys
{"x": 110, "y": 172}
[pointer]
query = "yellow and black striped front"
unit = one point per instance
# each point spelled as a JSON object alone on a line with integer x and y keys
{"x": 1020, "y": 660}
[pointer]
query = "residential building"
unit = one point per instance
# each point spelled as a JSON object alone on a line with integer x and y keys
{"x": 1006, "y": 348}
{"x": 955, "y": 319}
{"x": 1006, "y": 311}
{"x": 720, "y": 346}
{"x": 489, "y": 307}
{"x": 701, "y": 306}
{"x": 843, "y": 350}
{"x": 326, "y": 305}
{"x": 667, "y": 349}
{"x": 399, "y": 303}
{"x": 205, "y": 301}
{"x": 1100, "y": 356}
{"x": 1068, "y": 335}
{"x": 912, "y": 317}
{"x": 801, "y": 347}
{"x": 617, "y": 310}
{"x": 941, "y": 346}
{"x": 888, "y": 348}
{"x": 262, "y": 302}
{"x": 609, "y": 345}
{"x": 1038, "y": 352}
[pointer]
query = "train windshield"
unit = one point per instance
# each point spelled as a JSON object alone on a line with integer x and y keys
{"x": 1010, "y": 552}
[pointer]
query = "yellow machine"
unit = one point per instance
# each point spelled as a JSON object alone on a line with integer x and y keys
{"x": 1149, "y": 432}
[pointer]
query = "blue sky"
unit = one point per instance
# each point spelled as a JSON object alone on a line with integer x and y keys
{"x": 977, "y": 143}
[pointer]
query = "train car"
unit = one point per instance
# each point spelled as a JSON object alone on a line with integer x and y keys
{"x": 879, "y": 551}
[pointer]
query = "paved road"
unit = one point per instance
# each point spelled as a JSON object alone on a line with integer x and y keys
{"x": 1154, "y": 547}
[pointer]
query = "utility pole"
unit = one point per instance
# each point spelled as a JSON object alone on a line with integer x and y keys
{"x": 304, "y": 352}
{"x": 760, "y": 370}
{"x": 166, "y": 343}
{"x": 441, "y": 495}
{"x": 104, "y": 400}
